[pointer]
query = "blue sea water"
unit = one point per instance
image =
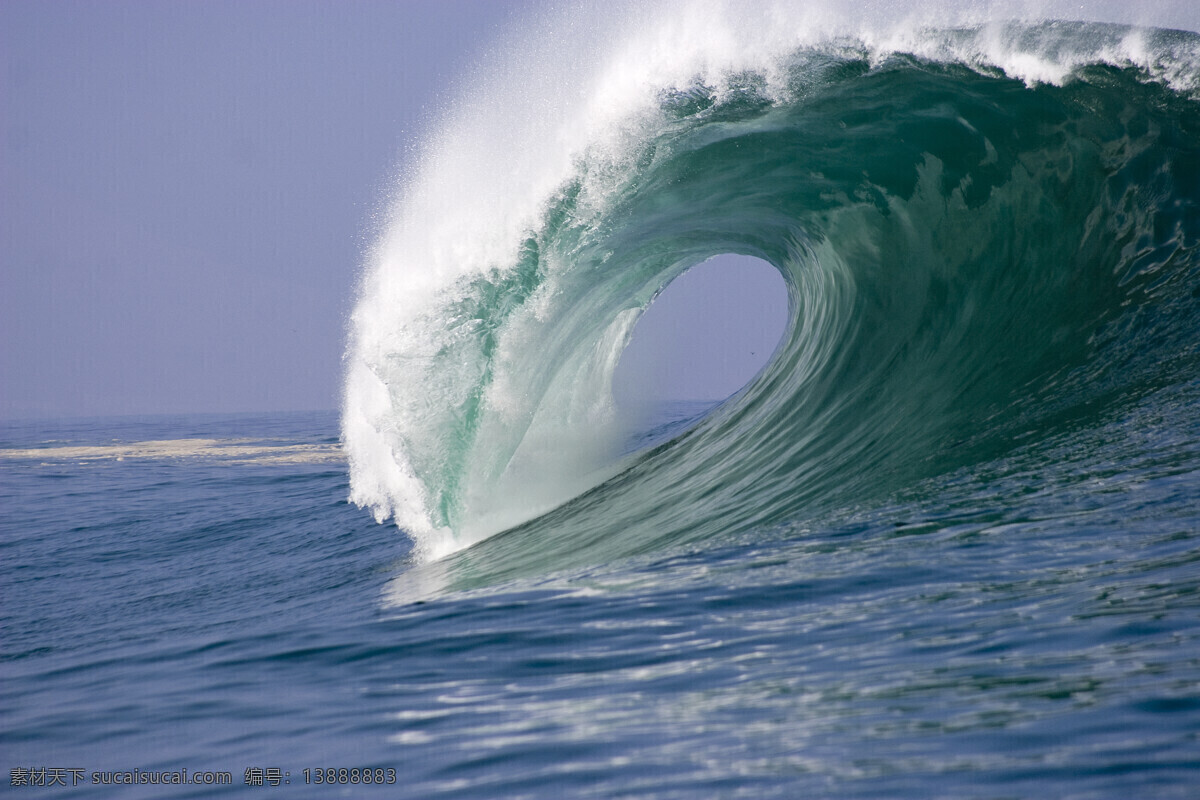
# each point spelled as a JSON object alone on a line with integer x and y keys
{"x": 1025, "y": 628}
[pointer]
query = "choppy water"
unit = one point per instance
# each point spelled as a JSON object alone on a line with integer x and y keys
{"x": 1027, "y": 627}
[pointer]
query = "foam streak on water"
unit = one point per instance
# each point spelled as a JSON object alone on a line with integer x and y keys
{"x": 229, "y": 450}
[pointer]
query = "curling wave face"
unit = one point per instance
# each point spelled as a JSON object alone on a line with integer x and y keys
{"x": 990, "y": 235}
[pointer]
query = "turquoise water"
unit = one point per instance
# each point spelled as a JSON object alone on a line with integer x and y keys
{"x": 973, "y": 261}
{"x": 946, "y": 543}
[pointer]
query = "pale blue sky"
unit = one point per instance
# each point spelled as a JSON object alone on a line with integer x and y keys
{"x": 706, "y": 335}
{"x": 186, "y": 190}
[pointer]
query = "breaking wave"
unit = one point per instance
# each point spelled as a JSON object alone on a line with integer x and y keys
{"x": 989, "y": 235}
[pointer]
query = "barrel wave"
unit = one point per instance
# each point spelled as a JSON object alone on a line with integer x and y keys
{"x": 990, "y": 236}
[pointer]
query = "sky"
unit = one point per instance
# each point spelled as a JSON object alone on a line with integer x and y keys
{"x": 696, "y": 341}
{"x": 187, "y": 190}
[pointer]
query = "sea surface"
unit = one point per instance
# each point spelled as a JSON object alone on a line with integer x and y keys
{"x": 1027, "y": 627}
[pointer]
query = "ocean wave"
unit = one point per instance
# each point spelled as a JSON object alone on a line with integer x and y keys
{"x": 989, "y": 235}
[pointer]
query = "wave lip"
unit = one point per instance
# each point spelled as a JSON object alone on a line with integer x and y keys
{"x": 986, "y": 232}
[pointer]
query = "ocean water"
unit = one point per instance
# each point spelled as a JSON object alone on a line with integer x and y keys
{"x": 945, "y": 544}
{"x": 1025, "y": 627}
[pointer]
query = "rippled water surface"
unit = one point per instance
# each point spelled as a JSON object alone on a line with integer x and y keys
{"x": 1028, "y": 627}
